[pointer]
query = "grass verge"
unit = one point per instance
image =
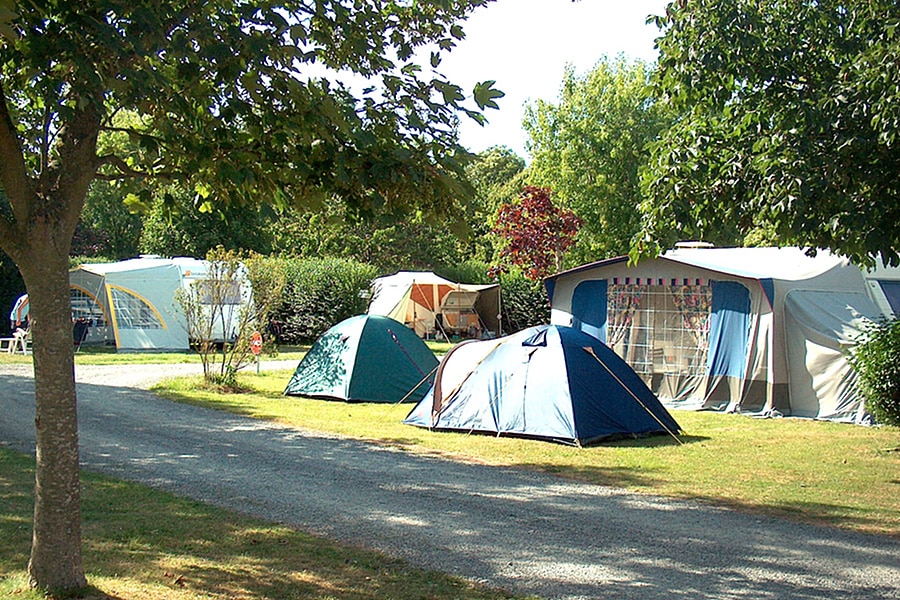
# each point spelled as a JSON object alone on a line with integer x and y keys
{"x": 816, "y": 471}
{"x": 105, "y": 355}
{"x": 141, "y": 544}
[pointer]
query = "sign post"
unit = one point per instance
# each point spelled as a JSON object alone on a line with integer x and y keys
{"x": 256, "y": 347}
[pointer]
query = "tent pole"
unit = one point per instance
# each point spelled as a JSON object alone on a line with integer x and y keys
{"x": 405, "y": 353}
{"x": 499, "y": 310}
{"x": 415, "y": 312}
{"x": 590, "y": 351}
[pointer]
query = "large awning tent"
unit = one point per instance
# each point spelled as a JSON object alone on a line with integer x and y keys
{"x": 366, "y": 358}
{"x": 433, "y": 306}
{"x": 546, "y": 382}
{"x": 132, "y": 303}
{"x": 759, "y": 330}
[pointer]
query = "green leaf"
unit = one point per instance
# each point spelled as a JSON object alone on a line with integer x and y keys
{"x": 202, "y": 189}
{"x": 485, "y": 94}
{"x": 451, "y": 93}
{"x": 135, "y": 204}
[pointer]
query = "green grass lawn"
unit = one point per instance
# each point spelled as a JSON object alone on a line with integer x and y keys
{"x": 107, "y": 355}
{"x": 830, "y": 473}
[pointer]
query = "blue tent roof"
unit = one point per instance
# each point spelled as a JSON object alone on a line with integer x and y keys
{"x": 549, "y": 382}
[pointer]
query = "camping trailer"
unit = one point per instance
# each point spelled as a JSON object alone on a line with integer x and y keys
{"x": 761, "y": 330}
{"x": 433, "y": 306}
{"x": 132, "y": 303}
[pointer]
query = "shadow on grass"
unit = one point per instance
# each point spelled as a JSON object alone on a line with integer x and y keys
{"x": 146, "y": 539}
{"x": 88, "y": 593}
{"x": 654, "y": 441}
{"x": 196, "y": 548}
{"x": 816, "y": 513}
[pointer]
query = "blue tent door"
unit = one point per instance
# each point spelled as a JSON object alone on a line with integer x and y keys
{"x": 589, "y": 303}
{"x": 729, "y": 330}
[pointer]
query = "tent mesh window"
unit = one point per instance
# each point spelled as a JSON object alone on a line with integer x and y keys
{"x": 660, "y": 329}
{"x": 134, "y": 313}
{"x": 85, "y": 306}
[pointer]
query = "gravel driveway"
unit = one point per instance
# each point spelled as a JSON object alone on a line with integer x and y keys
{"x": 523, "y": 531}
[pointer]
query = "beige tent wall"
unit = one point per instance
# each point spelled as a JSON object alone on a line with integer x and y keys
{"x": 415, "y": 316}
{"x": 821, "y": 327}
{"x": 89, "y": 301}
{"x": 753, "y": 392}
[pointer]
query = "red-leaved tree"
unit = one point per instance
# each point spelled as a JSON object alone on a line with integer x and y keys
{"x": 536, "y": 234}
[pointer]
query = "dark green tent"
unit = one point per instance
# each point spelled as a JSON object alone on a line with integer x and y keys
{"x": 367, "y": 358}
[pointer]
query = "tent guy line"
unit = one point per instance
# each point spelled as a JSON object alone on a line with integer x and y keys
{"x": 590, "y": 351}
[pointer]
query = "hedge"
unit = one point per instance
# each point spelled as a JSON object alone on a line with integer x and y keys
{"x": 320, "y": 293}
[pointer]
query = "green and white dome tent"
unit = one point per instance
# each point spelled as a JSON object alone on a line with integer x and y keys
{"x": 366, "y": 358}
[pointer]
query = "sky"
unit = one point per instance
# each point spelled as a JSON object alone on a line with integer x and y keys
{"x": 525, "y": 45}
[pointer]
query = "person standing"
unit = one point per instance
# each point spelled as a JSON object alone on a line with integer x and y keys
{"x": 18, "y": 317}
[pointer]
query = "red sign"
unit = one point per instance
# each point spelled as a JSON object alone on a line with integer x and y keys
{"x": 256, "y": 343}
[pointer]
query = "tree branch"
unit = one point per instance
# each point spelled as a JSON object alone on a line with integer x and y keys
{"x": 128, "y": 172}
{"x": 13, "y": 171}
{"x": 77, "y": 165}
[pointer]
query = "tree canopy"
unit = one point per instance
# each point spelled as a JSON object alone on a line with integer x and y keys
{"x": 234, "y": 100}
{"x": 787, "y": 129}
{"x": 498, "y": 175}
{"x": 535, "y": 233}
{"x": 589, "y": 149}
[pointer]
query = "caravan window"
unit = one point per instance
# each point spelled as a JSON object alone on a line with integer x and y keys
{"x": 218, "y": 292}
{"x": 85, "y": 306}
{"x": 660, "y": 329}
{"x": 133, "y": 312}
{"x": 891, "y": 291}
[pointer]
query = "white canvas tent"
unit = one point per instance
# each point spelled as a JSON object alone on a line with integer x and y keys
{"x": 760, "y": 330}
{"x": 132, "y": 303}
{"x": 431, "y": 305}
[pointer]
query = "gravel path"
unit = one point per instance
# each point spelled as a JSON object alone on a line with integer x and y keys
{"x": 520, "y": 530}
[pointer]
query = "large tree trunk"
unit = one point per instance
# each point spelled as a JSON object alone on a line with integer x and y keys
{"x": 37, "y": 235}
{"x": 56, "y": 542}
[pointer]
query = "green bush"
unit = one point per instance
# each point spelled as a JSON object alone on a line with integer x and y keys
{"x": 524, "y": 302}
{"x": 320, "y": 293}
{"x": 876, "y": 361}
{"x": 470, "y": 271}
